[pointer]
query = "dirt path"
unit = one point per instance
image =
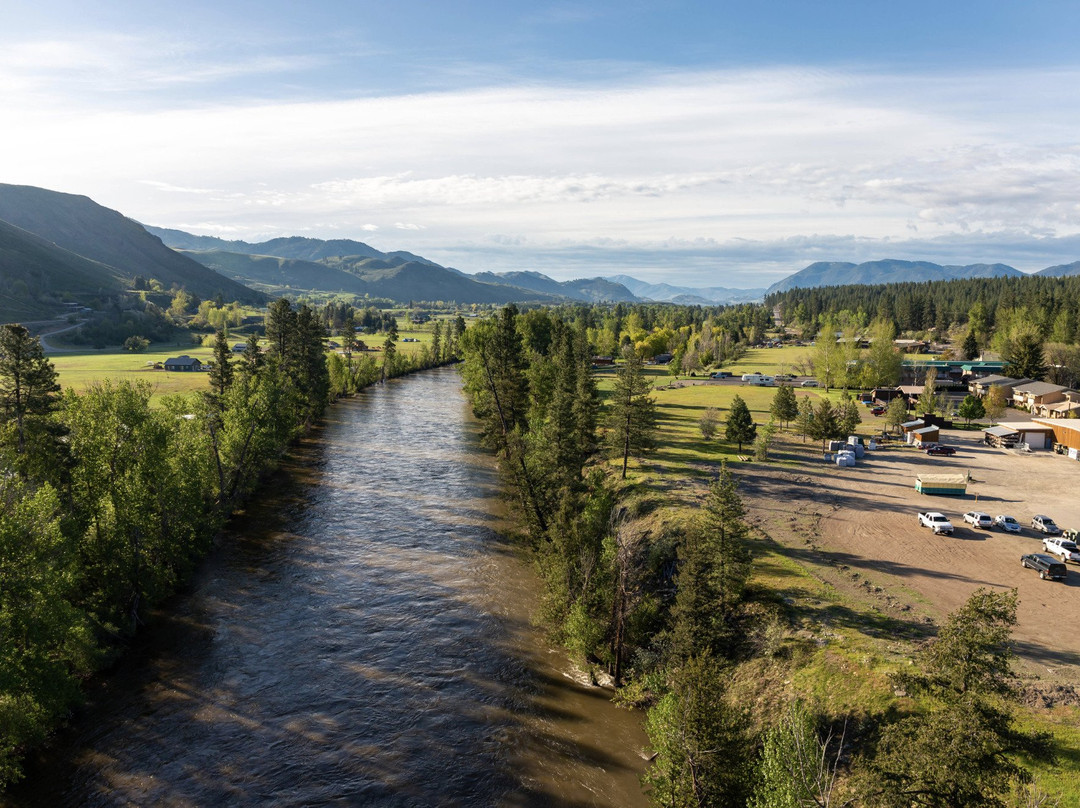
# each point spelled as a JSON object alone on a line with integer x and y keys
{"x": 50, "y": 347}
{"x": 861, "y": 523}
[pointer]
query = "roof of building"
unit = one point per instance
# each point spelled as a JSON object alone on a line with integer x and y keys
{"x": 912, "y": 389}
{"x": 1000, "y": 431}
{"x": 926, "y": 430}
{"x": 915, "y": 423}
{"x": 1031, "y": 426}
{"x": 951, "y": 479}
{"x": 997, "y": 378}
{"x": 1040, "y": 388}
{"x": 1072, "y": 425}
{"x": 183, "y": 360}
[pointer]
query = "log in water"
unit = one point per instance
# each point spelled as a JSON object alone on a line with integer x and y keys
{"x": 362, "y": 637}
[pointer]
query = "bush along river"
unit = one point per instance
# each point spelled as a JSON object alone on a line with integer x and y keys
{"x": 361, "y": 637}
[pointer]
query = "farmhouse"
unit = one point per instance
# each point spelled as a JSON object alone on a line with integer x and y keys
{"x": 183, "y": 363}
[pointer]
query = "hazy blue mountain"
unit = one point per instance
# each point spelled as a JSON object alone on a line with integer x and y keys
{"x": 1061, "y": 270}
{"x": 983, "y": 271}
{"x": 83, "y": 227}
{"x": 843, "y": 273}
{"x": 593, "y": 290}
{"x": 687, "y": 295}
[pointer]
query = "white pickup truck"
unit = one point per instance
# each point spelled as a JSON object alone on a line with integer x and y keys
{"x": 937, "y": 522}
{"x": 1066, "y": 549}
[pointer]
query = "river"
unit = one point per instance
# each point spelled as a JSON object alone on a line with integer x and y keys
{"x": 360, "y": 637}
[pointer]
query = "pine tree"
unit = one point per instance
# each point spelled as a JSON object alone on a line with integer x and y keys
{"x": 971, "y": 346}
{"x": 28, "y": 387}
{"x": 221, "y": 374}
{"x": 804, "y": 421}
{"x": 631, "y": 418}
{"x": 785, "y": 407}
{"x": 1024, "y": 355}
{"x": 740, "y": 423}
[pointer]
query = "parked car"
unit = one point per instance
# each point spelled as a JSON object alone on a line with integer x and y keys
{"x": 784, "y": 377}
{"x": 810, "y": 383}
{"x": 1007, "y": 523}
{"x": 1047, "y": 565}
{"x": 1065, "y": 549}
{"x": 939, "y": 449}
{"x": 723, "y": 374}
{"x": 937, "y": 522}
{"x": 878, "y": 411}
{"x": 979, "y": 519}
{"x": 1044, "y": 524}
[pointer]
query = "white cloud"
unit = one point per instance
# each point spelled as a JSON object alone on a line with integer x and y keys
{"x": 735, "y": 164}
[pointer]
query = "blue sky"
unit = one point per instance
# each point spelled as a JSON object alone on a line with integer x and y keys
{"x": 719, "y": 144}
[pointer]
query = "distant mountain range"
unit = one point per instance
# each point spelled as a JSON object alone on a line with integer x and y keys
{"x": 687, "y": 295}
{"x": 295, "y": 264}
{"x": 841, "y": 273}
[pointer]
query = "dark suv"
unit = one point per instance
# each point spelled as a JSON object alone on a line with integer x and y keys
{"x": 1047, "y": 565}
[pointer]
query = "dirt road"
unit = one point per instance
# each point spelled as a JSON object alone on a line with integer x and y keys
{"x": 862, "y": 521}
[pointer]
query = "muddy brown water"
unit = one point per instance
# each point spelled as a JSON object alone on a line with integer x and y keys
{"x": 361, "y": 637}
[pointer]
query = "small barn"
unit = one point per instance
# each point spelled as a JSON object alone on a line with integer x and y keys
{"x": 1001, "y": 437}
{"x": 924, "y": 435}
{"x": 183, "y": 363}
{"x": 911, "y": 426}
{"x": 949, "y": 485}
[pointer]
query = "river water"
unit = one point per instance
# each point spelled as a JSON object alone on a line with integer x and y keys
{"x": 361, "y": 637}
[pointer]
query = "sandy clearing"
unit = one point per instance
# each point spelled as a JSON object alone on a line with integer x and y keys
{"x": 864, "y": 520}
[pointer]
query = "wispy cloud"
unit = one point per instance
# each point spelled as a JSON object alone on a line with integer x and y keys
{"x": 717, "y": 172}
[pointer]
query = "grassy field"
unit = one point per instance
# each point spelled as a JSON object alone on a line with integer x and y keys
{"x": 78, "y": 369}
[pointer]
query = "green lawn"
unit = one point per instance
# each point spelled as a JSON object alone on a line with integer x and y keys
{"x": 78, "y": 369}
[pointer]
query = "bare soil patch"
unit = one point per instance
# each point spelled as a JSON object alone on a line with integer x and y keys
{"x": 858, "y": 529}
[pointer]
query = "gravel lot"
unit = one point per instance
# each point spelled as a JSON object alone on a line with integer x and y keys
{"x": 862, "y": 522}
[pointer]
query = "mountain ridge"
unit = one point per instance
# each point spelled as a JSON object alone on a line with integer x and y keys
{"x": 85, "y": 228}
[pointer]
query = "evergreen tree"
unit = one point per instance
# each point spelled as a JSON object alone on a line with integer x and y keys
{"x": 29, "y": 393}
{"x": 1024, "y": 355}
{"x": 826, "y": 423}
{"x": 970, "y": 348}
{"x": 785, "y": 407}
{"x": 631, "y": 416}
{"x": 280, "y": 329}
{"x": 740, "y": 426}
{"x": 804, "y": 421}
{"x": 221, "y": 374}
{"x": 700, "y": 743}
{"x": 849, "y": 416}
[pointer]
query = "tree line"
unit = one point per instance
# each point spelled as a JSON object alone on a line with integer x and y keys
{"x": 107, "y": 502}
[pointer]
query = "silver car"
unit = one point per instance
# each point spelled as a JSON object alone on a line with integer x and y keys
{"x": 1008, "y": 524}
{"x": 1044, "y": 524}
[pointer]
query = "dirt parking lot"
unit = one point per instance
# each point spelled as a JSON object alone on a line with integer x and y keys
{"x": 864, "y": 520}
